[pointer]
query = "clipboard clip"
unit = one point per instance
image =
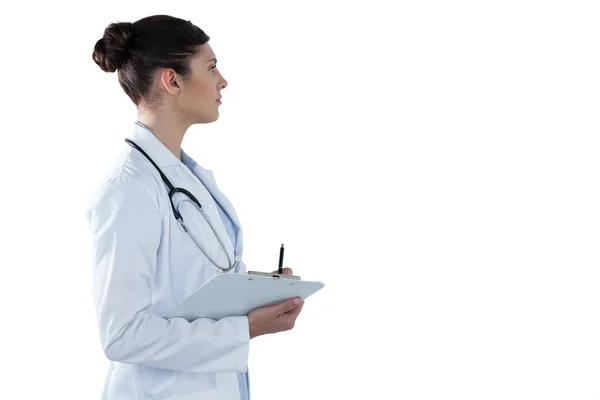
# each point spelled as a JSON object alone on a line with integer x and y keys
{"x": 274, "y": 275}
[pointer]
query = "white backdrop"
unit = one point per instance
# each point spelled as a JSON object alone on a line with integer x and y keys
{"x": 434, "y": 163}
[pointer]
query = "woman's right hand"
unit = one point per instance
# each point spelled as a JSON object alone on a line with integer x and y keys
{"x": 274, "y": 318}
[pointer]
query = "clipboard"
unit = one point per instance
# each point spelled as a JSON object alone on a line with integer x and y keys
{"x": 235, "y": 294}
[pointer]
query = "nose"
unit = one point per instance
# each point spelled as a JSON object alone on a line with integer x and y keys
{"x": 223, "y": 84}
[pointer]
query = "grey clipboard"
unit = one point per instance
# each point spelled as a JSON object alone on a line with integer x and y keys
{"x": 235, "y": 294}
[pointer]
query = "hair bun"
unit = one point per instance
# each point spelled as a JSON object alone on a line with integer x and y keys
{"x": 110, "y": 51}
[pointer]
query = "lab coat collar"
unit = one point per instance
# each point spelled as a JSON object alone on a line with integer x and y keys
{"x": 160, "y": 154}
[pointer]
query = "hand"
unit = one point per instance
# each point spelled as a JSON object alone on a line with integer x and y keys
{"x": 286, "y": 271}
{"x": 277, "y": 317}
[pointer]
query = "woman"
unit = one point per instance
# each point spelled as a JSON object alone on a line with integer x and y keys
{"x": 145, "y": 259}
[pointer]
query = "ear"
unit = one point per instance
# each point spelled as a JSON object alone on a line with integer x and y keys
{"x": 170, "y": 81}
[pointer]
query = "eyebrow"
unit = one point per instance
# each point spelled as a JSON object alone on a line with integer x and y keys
{"x": 212, "y": 59}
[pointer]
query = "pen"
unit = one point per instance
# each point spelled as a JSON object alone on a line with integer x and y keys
{"x": 280, "y": 270}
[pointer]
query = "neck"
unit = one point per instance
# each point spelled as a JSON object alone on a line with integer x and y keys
{"x": 169, "y": 129}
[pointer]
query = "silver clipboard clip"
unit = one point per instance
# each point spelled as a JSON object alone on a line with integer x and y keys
{"x": 274, "y": 275}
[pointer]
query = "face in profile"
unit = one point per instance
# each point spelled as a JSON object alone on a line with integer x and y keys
{"x": 199, "y": 96}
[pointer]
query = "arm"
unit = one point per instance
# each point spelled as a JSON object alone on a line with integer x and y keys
{"x": 126, "y": 227}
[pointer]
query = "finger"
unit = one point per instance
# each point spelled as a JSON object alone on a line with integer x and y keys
{"x": 292, "y": 315}
{"x": 294, "y": 312}
{"x": 285, "y": 271}
{"x": 296, "y": 309}
{"x": 288, "y": 305}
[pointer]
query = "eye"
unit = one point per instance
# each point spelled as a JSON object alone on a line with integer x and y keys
{"x": 213, "y": 67}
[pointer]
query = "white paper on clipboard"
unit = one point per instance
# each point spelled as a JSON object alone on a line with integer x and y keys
{"x": 235, "y": 294}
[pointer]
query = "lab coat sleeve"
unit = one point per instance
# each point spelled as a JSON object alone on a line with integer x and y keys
{"x": 125, "y": 224}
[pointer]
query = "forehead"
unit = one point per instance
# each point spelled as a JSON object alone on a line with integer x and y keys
{"x": 206, "y": 53}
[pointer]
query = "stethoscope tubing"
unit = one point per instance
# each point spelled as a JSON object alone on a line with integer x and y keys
{"x": 172, "y": 190}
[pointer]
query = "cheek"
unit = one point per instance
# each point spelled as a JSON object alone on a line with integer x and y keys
{"x": 203, "y": 92}
{"x": 204, "y": 82}
{"x": 196, "y": 96}
{"x": 200, "y": 93}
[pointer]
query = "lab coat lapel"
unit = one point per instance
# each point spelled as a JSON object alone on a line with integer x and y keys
{"x": 208, "y": 180}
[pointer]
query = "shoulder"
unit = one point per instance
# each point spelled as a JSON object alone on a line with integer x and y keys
{"x": 128, "y": 180}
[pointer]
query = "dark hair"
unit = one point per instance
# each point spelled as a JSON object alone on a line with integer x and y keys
{"x": 137, "y": 50}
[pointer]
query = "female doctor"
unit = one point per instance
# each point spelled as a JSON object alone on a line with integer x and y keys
{"x": 160, "y": 227}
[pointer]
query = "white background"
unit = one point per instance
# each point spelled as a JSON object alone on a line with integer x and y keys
{"x": 434, "y": 163}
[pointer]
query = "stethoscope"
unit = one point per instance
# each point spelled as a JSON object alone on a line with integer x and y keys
{"x": 178, "y": 217}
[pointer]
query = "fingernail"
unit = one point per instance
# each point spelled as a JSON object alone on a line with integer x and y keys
{"x": 296, "y": 301}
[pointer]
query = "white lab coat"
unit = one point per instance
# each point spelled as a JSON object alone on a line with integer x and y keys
{"x": 144, "y": 264}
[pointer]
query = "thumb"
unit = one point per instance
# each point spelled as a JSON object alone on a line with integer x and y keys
{"x": 288, "y": 305}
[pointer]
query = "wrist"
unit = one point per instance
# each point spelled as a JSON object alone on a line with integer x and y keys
{"x": 252, "y": 329}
